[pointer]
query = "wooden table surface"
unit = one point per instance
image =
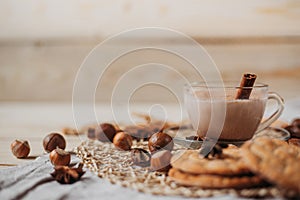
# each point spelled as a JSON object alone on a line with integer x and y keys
{"x": 33, "y": 121}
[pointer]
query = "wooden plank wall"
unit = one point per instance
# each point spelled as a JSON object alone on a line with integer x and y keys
{"x": 42, "y": 43}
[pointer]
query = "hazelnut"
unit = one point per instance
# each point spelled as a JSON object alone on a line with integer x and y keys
{"x": 296, "y": 123}
{"x": 52, "y": 141}
{"x": 159, "y": 141}
{"x": 140, "y": 157}
{"x": 20, "y": 148}
{"x": 60, "y": 157}
{"x": 293, "y": 130}
{"x": 123, "y": 141}
{"x": 160, "y": 161}
{"x": 70, "y": 131}
{"x": 105, "y": 132}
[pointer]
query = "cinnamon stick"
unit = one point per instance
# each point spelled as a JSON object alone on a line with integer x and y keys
{"x": 246, "y": 85}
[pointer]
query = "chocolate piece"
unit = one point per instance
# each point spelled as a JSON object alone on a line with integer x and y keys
{"x": 91, "y": 133}
{"x": 140, "y": 157}
{"x": 246, "y": 85}
{"x": 160, "y": 161}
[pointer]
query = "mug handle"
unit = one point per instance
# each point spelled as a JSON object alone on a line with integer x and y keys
{"x": 275, "y": 115}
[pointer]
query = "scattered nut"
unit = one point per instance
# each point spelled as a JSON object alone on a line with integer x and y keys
{"x": 159, "y": 141}
{"x": 160, "y": 161}
{"x": 67, "y": 175}
{"x": 123, "y": 141}
{"x": 70, "y": 131}
{"x": 105, "y": 132}
{"x": 20, "y": 148}
{"x": 60, "y": 157}
{"x": 140, "y": 157}
{"x": 293, "y": 130}
{"x": 296, "y": 123}
{"x": 91, "y": 133}
{"x": 88, "y": 130}
{"x": 144, "y": 131}
{"x": 52, "y": 141}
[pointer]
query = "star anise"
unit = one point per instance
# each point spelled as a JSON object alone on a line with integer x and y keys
{"x": 197, "y": 138}
{"x": 67, "y": 175}
{"x": 216, "y": 151}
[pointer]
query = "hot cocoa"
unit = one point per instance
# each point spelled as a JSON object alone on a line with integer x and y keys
{"x": 230, "y": 111}
{"x": 241, "y": 120}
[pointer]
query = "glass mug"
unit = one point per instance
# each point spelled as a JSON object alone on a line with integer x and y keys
{"x": 242, "y": 118}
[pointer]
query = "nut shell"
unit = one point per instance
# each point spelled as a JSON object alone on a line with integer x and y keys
{"x": 20, "y": 148}
{"x": 160, "y": 141}
{"x": 105, "y": 132}
{"x": 52, "y": 141}
{"x": 60, "y": 157}
{"x": 123, "y": 141}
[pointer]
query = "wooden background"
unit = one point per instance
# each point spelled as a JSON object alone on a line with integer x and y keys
{"x": 43, "y": 43}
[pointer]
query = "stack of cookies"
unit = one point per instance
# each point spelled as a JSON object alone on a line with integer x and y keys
{"x": 226, "y": 171}
{"x": 258, "y": 163}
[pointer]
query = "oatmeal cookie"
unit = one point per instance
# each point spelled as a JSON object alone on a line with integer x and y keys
{"x": 228, "y": 164}
{"x": 208, "y": 181}
{"x": 275, "y": 161}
